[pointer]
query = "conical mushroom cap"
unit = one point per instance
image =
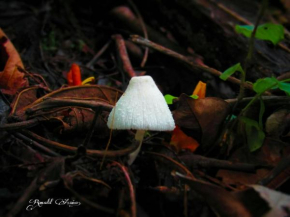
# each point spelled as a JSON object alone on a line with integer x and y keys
{"x": 141, "y": 107}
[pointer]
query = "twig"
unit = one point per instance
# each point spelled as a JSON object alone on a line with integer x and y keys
{"x": 232, "y": 13}
{"x": 130, "y": 186}
{"x": 26, "y": 196}
{"x": 85, "y": 200}
{"x": 177, "y": 164}
{"x": 121, "y": 48}
{"x": 37, "y": 145}
{"x": 97, "y": 56}
{"x": 223, "y": 202}
{"x": 92, "y": 127}
{"x": 61, "y": 102}
{"x": 73, "y": 150}
{"x": 81, "y": 174}
{"x": 111, "y": 133}
{"x": 35, "y": 77}
{"x": 279, "y": 175}
{"x": 269, "y": 101}
{"x": 144, "y": 31}
{"x": 197, "y": 161}
{"x": 193, "y": 66}
{"x": 20, "y": 125}
{"x": 124, "y": 15}
{"x": 34, "y": 185}
{"x": 188, "y": 173}
{"x": 214, "y": 180}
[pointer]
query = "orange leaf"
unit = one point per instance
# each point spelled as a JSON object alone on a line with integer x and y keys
{"x": 200, "y": 90}
{"x": 74, "y": 75}
{"x": 11, "y": 79}
{"x": 181, "y": 141}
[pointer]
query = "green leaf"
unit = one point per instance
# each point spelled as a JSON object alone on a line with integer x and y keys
{"x": 194, "y": 96}
{"x": 226, "y": 74}
{"x": 255, "y": 136}
{"x": 169, "y": 98}
{"x": 263, "y": 84}
{"x": 284, "y": 86}
{"x": 268, "y": 31}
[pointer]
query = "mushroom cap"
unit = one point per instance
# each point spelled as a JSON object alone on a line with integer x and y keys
{"x": 141, "y": 107}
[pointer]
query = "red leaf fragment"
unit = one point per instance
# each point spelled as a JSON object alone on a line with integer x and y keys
{"x": 181, "y": 141}
{"x": 74, "y": 77}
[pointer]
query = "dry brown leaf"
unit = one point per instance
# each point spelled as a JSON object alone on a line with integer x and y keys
{"x": 203, "y": 117}
{"x": 277, "y": 124}
{"x": 271, "y": 153}
{"x": 66, "y": 119}
{"x": 11, "y": 79}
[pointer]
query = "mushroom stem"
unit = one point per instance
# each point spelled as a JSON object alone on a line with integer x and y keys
{"x": 138, "y": 137}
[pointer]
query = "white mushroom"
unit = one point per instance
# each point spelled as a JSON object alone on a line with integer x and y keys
{"x": 142, "y": 107}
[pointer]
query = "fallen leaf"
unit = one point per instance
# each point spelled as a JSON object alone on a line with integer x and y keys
{"x": 271, "y": 153}
{"x": 278, "y": 123}
{"x": 181, "y": 141}
{"x": 67, "y": 119}
{"x": 11, "y": 79}
{"x": 87, "y": 92}
{"x": 279, "y": 202}
{"x": 201, "y": 118}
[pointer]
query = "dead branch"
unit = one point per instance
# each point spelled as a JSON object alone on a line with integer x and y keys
{"x": 193, "y": 66}
{"x": 122, "y": 51}
{"x": 73, "y": 150}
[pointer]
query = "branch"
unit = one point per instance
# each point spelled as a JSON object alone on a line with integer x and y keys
{"x": 193, "y": 66}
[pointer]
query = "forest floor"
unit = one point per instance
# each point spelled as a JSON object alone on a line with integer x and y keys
{"x": 224, "y": 67}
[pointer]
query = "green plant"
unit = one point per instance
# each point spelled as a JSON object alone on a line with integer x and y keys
{"x": 254, "y": 130}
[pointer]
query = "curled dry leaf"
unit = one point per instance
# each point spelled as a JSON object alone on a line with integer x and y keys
{"x": 11, "y": 79}
{"x": 66, "y": 118}
{"x": 202, "y": 118}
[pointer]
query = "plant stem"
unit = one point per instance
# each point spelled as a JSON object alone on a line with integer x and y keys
{"x": 257, "y": 96}
{"x": 251, "y": 49}
{"x": 252, "y": 39}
